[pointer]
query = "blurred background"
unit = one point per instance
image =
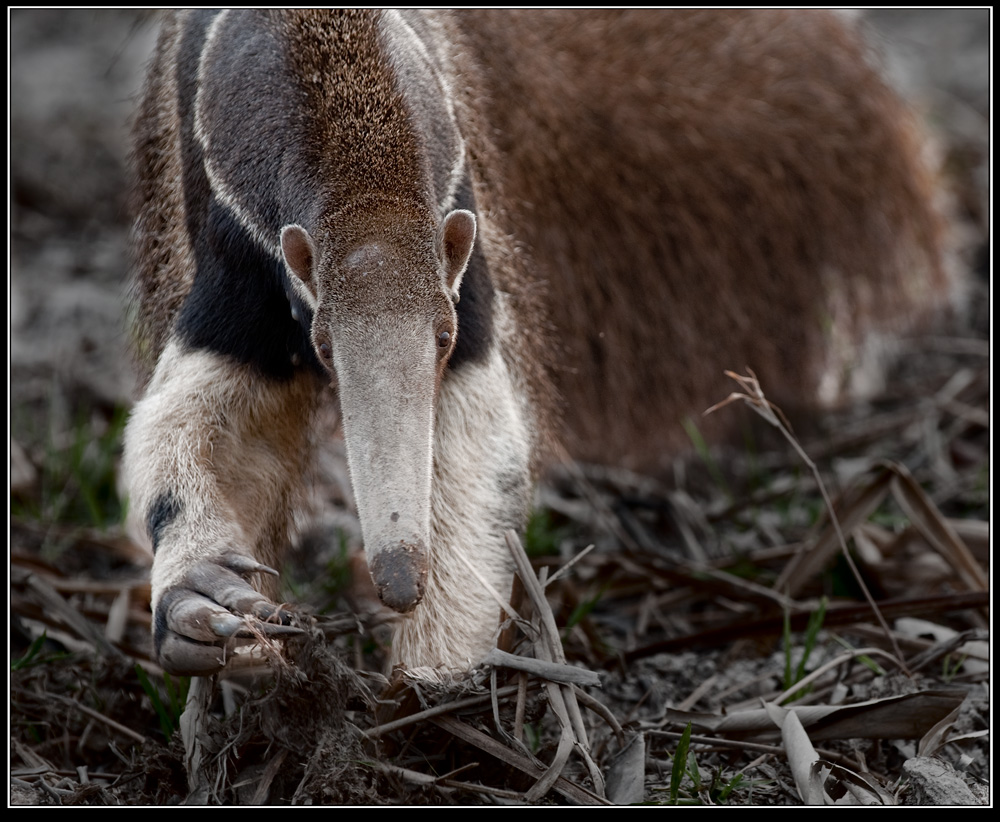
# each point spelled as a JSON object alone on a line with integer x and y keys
{"x": 74, "y": 79}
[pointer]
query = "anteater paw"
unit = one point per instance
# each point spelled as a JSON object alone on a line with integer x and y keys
{"x": 213, "y": 603}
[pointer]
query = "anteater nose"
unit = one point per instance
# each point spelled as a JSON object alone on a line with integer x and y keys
{"x": 399, "y": 572}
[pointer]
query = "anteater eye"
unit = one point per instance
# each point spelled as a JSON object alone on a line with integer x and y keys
{"x": 444, "y": 339}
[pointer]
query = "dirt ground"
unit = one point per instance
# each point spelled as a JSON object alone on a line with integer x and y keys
{"x": 662, "y": 652}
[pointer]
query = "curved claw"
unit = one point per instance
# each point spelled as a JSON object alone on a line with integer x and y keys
{"x": 194, "y": 620}
{"x": 225, "y": 586}
{"x": 227, "y": 625}
{"x": 183, "y": 657}
{"x": 244, "y": 565}
{"x": 195, "y": 617}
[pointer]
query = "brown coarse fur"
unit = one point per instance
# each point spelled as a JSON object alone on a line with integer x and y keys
{"x": 703, "y": 190}
{"x": 162, "y": 259}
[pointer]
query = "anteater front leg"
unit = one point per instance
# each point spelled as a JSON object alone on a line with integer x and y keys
{"x": 214, "y": 454}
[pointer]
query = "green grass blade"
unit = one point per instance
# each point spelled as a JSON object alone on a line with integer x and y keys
{"x": 680, "y": 764}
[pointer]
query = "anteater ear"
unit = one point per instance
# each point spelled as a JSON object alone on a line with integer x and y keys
{"x": 458, "y": 235}
{"x": 300, "y": 253}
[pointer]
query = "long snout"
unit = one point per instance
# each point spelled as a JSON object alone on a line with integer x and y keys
{"x": 387, "y": 408}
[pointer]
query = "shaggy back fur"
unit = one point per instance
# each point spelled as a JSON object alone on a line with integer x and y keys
{"x": 703, "y": 190}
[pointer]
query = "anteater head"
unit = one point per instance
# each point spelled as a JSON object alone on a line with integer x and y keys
{"x": 382, "y": 279}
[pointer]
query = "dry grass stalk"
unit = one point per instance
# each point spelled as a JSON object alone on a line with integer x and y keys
{"x": 440, "y": 710}
{"x": 562, "y": 699}
{"x": 936, "y": 529}
{"x": 832, "y": 664}
{"x": 570, "y": 790}
{"x": 753, "y": 396}
{"x": 907, "y": 716}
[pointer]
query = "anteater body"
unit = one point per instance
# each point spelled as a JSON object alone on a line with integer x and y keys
{"x": 487, "y": 232}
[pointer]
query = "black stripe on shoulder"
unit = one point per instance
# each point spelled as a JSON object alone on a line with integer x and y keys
{"x": 239, "y": 302}
{"x": 475, "y": 305}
